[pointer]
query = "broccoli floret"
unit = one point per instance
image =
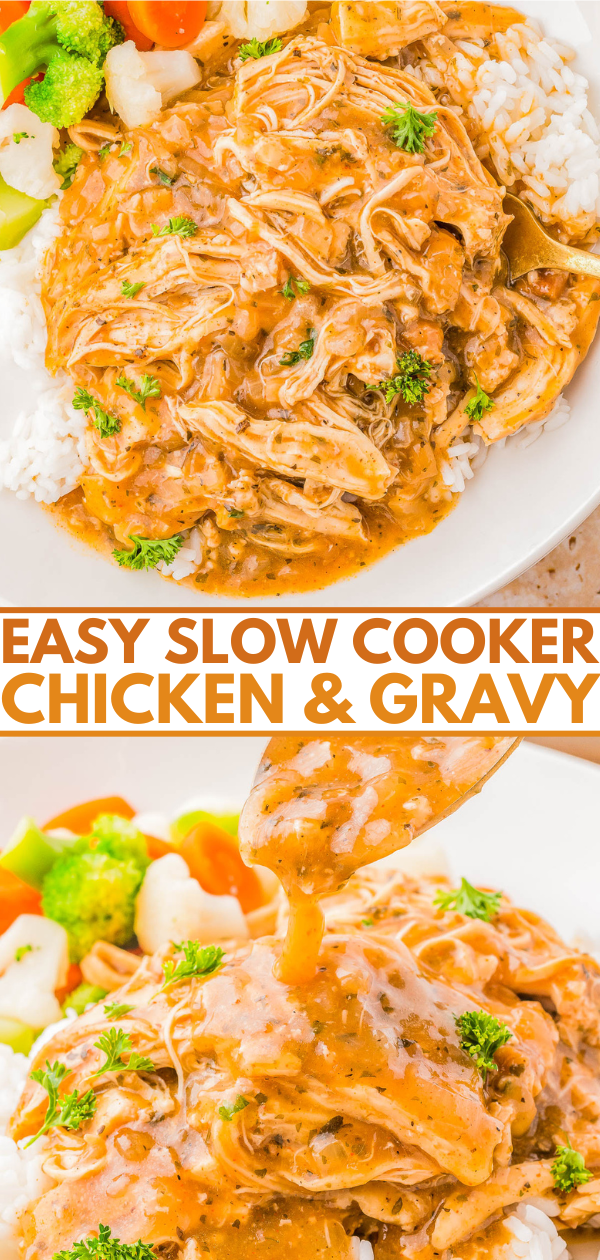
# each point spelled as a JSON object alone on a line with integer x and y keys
{"x": 67, "y": 91}
{"x": 70, "y": 40}
{"x": 120, "y": 839}
{"x": 91, "y": 889}
{"x": 66, "y": 163}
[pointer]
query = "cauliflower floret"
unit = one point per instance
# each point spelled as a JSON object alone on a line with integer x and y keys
{"x": 26, "y": 145}
{"x": 262, "y": 18}
{"x": 171, "y": 906}
{"x": 140, "y": 84}
{"x": 34, "y": 960}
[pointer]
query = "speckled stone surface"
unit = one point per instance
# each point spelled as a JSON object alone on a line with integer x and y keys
{"x": 567, "y": 578}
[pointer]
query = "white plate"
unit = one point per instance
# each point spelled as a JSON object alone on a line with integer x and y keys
{"x": 520, "y": 504}
{"x": 533, "y": 831}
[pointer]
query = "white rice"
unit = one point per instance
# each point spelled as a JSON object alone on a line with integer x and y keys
{"x": 534, "y": 1234}
{"x": 530, "y": 112}
{"x": 45, "y": 454}
{"x": 188, "y": 558}
{"x": 21, "y": 1176}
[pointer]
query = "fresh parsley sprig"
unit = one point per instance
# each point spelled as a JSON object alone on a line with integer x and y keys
{"x": 130, "y": 288}
{"x": 116, "y": 1010}
{"x": 181, "y": 225}
{"x": 105, "y": 1247}
{"x": 469, "y": 901}
{"x": 149, "y": 388}
{"x": 228, "y": 1110}
{"x": 114, "y": 1043}
{"x": 163, "y": 176}
{"x": 198, "y": 960}
{"x": 479, "y": 404}
{"x": 106, "y": 424}
{"x": 569, "y": 1170}
{"x": 148, "y": 552}
{"x": 408, "y": 127}
{"x": 69, "y": 1112}
{"x": 411, "y": 379}
{"x": 258, "y": 48}
{"x": 481, "y": 1035}
{"x": 304, "y": 351}
{"x": 293, "y": 286}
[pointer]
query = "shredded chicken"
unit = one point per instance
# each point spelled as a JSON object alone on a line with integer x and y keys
{"x": 364, "y": 1115}
{"x": 321, "y": 252}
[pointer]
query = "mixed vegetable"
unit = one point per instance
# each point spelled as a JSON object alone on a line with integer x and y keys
{"x": 92, "y": 883}
{"x": 56, "y": 58}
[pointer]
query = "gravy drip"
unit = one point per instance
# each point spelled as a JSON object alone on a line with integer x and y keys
{"x": 323, "y": 808}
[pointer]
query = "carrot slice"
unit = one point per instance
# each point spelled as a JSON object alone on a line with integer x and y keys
{"x": 11, "y": 11}
{"x": 79, "y": 818}
{"x": 171, "y": 25}
{"x": 16, "y": 898}
{"x": 157, "y": 848}
{"x": 119, "y": 9}
{"x": 213, "y": 859}
{"x": 74, "y": 978}
{"x": 17, "y": 96}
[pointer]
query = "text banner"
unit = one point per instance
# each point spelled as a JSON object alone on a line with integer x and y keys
{"x": 225, "y": 672}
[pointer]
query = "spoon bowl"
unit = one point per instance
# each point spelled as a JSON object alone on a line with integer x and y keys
{"x": 527, "y": 246}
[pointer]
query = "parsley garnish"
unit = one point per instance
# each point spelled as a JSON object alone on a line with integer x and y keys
{"x": 481, "y": 1035}
{"x": 304, "y": 351}
{"x": 21, "y": 135}
{"x": 367, "y": 922}
{"x": 104, "y": 151}
{"x": 480, "y": 403}
{"x": 148, "y": 552}
{"x": 180, "y": 226}
{"x": 149, "y": 388}
{"x": 569, "y": 1169}
{"x": 228, "y": 1110}
{"x": 293, "y": 286}
{"x": 69, "y": 1112}
{"x": 66, "y": 164}
{"x": 113, "y": 1044}
{"x": 104, "y": 1247}
{"x": 126, "y": 148}
{"x": 106, "y": 425}
{"x": 469, "y": 901}
{"x": 115, "y": 1010}
{"x": 129, "y": 288}
{"x": 163, "y": 176}
{"x": 408, "y": 126}
{"x": 22, "y": 951}
{"x": 411, "y": 380}
{"x": 259, "y": 48}
{"x": 199, "y": 960}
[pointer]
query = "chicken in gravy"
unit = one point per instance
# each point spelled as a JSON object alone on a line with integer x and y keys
{"x": 266, "y": 1117}
{"x": 282, "y": 318}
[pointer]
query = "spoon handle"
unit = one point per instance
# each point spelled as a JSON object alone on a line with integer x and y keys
{"x": 578, "y": 260}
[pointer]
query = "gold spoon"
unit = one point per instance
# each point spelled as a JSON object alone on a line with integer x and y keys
{"x": 528, "y": 246}
{"x": 323, "y": 806}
